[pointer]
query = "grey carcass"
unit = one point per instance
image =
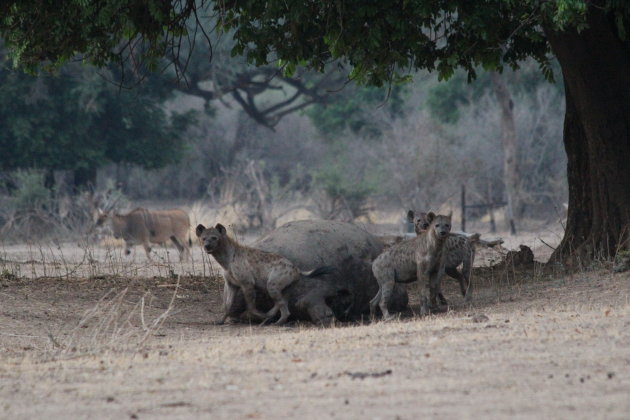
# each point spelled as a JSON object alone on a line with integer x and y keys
{"x": 343, "y": 294}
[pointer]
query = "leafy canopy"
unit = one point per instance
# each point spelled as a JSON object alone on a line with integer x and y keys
{"x": 50, "y": 32}
{"x": 445, "y": 100}
{"x": 352, "y": 109}
{"x": 381, "y": 40}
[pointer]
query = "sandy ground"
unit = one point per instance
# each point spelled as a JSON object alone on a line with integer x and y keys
{"x": 98, "y": 336}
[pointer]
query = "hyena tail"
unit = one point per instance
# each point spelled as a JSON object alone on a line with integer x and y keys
{"x": 320, "y": 271}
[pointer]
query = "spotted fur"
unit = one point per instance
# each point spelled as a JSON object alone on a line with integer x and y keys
{"x": 458, "y": 250}
{"x": 249, "y": 268}
{"x": 419, "y": 258}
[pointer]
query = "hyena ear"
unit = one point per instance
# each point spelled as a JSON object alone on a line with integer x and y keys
{"x": 430, "y": 216}
{"x": 199, "y": 230}
{"x": 410, "y": 216}
{"x": 222, "y": 230}
{"x": 450, "y": 215}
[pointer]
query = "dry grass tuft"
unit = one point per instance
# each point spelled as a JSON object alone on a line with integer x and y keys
{"x": 114, "y": 324}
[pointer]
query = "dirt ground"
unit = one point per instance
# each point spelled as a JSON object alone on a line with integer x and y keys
{"x": 99, "y": 337}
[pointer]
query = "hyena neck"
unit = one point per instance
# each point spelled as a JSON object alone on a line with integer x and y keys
{"x": 226, "y": 253}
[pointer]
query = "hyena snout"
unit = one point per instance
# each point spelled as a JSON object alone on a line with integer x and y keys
{"x": 210, "y": 244}
{"x": 442, "y": 229}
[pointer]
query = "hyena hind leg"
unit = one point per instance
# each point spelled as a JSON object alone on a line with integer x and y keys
{"x": 275, "y": 285}
{"x": 374, "y": 303}
{"x": 464, "y": 283}
{"x": 386, "y": 290}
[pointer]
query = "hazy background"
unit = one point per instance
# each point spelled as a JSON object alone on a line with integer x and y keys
{"x": 255, "y": 149}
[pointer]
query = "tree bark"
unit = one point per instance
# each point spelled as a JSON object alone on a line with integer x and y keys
{"x": 245, "y": 131}
{"x": 508, "y": 137}
{"x": 596, "y": 69}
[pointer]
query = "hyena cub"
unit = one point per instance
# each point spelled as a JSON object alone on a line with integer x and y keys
{"x": 248, "y": 268}
{"x": 419, "y": 258}
{"x": 458, "y": 249}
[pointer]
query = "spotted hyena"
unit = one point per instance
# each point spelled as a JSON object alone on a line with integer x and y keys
{"x": 419, "y": 258}
{"x": 458, "y": 250}
{"x": 247, "y": 268}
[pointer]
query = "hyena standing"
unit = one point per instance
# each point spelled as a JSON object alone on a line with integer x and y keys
{"x": 458, "y": 249}
{"x": 248, "y": 268}
{"x": 419, "y": 258}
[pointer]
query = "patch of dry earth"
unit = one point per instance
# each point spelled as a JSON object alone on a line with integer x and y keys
{"x": 549, "y": 349}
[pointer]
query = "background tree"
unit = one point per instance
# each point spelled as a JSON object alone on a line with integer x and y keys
{"x": 535, "y": 159}
{"x": 382, "y": 41}
{"x": 264, "y": 93}
{"x": 508, "y": 137}
{"x": 358, "y": 109}
{"x": 77, "y": 121}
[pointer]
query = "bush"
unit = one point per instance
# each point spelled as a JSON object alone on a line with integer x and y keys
{"x": 30, "y": 192}
{"x": 346, "y": 184}
{"x": 27, "y": 210}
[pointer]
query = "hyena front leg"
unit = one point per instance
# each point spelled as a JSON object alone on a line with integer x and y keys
{"x": 229, "y": 293}
{"x": 249, "y": 293}
{"x": 425, "y": 285}
{"x": 221, "y": 321}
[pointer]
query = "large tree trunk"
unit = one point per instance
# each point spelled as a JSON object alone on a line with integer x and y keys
{"x": 596, "y": 68}
{"x": 508, "y": 137}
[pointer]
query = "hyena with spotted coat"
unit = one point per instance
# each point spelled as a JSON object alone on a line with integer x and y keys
{"x": 248, "y": 268}
{"x": 419, "y": 258}
{"x": 458, "y": 250}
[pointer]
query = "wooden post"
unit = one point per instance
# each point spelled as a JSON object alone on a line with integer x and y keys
{"x": 463, "y": 208}
{"x": 493, "y": 225}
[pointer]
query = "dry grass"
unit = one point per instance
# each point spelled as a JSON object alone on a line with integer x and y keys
{"x": 113, "y": 324}
{"x": 103, "y": 336}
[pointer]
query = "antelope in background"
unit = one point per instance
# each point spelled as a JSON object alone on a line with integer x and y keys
{"x": 145, "y": 227}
